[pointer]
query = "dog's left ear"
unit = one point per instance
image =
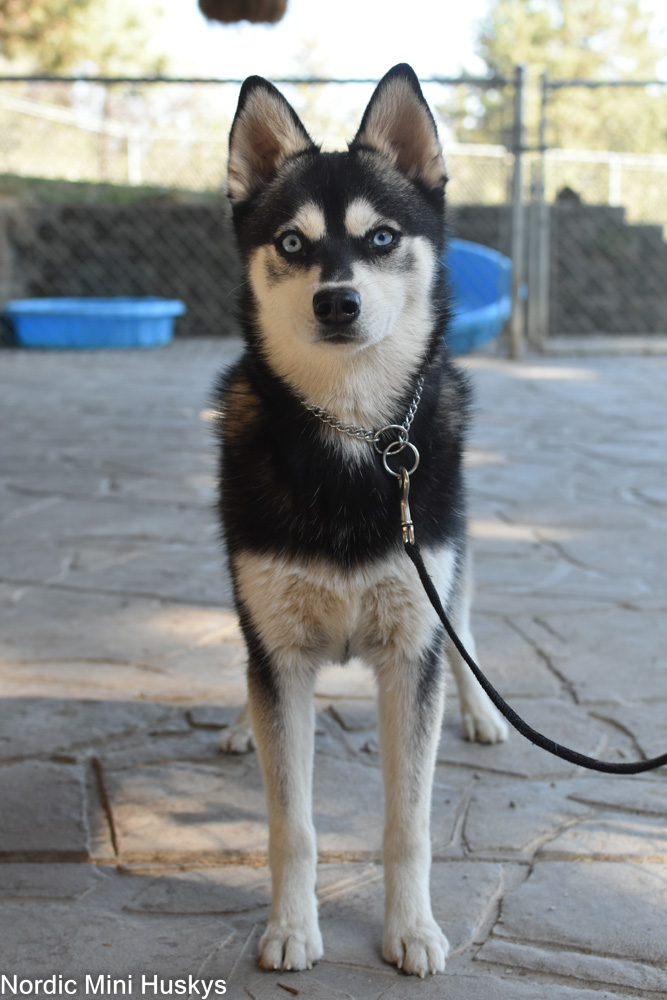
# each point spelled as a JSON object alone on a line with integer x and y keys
{"x": 398, "y": 123}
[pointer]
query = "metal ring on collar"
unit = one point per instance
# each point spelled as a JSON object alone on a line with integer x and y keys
{"x": 395, "y": 448}
{"x": 402, "y": 436}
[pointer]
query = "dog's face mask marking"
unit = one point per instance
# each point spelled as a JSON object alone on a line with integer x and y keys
{"x": 361, "y": 218}
{"x": 341, "y": 249}
{"x": 339, "y": 288}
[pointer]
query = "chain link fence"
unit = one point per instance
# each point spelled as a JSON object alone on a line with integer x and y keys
{"x": 597, "y": 262}
{"x": 116, "y": 187}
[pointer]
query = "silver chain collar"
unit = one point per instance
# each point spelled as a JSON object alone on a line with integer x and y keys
{"x": 362, "y": 433}
{"x": 400, "y": 441}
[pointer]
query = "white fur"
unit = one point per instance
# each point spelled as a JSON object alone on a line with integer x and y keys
{"x": 239, "y": 737}
{"x": 361, "y": 217}
{"x": 319, "y": 614}
{"x": 316, "y": 614}
{"x": 412, "y": 939}
{"x": 310, "y": 221}
{"x": 292, "y": 938}
{"x": 481, "y": 720}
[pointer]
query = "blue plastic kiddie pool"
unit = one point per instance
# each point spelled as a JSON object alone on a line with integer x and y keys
{"x": 481, "y": 282}
{"x": 94, "y": 323}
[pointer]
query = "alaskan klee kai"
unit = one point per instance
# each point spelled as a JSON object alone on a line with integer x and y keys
{"x": 344, "y": 311}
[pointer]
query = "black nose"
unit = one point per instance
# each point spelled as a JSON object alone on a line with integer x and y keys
{"x": 336, "y": 305}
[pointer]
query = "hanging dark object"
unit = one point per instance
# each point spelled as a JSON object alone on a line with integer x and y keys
{"x": 231, "y": 11}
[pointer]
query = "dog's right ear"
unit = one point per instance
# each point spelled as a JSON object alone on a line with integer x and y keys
{"x": 265, "y": 133}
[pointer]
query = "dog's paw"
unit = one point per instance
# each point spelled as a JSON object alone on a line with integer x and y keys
{"x": 237, "y": 738}
{"x": 482, "y": 721}
{"x": 290, "y": 947}
{"x": 416, "y": 949}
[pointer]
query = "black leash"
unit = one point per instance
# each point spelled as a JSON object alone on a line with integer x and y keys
{"x": 573, "y": 756}
{"x": 401, "y": 440}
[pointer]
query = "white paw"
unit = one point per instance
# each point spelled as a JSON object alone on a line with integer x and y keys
{"x": 482, "y": 721}
{"x": 416, "y": 948}
{"x": 290, "y": 947}
{"x": 238, "y": 738}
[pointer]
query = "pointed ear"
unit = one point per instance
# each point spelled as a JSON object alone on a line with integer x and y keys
{"x": 266, "y": 131}
{"x": 398, "y": 124}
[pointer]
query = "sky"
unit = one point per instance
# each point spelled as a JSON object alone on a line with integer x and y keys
{"x": 339, "y": 37}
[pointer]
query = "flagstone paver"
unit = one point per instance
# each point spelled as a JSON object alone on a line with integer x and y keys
{"x": 29, "y": 831}
{"x": 602, "y": 908}
{"x": 130, "y": 847}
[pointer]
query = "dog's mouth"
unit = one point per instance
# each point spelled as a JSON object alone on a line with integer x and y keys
{"x": 339, "y": 335}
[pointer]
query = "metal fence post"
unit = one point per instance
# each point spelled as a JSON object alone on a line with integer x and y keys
{"x": 517, "y": 321}
{"x": 533, "y": 271}
{"x": 540, "y": 256}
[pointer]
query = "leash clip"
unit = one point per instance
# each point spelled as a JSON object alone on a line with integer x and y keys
{"x": 403, "y": 476}
{"x": 406, "y": 517}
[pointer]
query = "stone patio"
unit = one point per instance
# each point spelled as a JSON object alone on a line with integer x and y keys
{"x": 130, "y": 847}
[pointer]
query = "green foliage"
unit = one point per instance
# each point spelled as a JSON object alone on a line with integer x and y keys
{"x": 596, "y": 40}
{"x": 33, "y": 26}
{"x": 57, "y": 36}
{"x": 584, "y": 39}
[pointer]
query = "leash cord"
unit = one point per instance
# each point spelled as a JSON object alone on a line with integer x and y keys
{"x": 395, "y": 447}
{"x": 573, "y": 756}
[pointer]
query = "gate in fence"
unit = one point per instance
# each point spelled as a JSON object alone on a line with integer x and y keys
{"x": 596, "y": 219}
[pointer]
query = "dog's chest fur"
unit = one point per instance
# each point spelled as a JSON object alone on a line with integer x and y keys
{"x": 297, "y": 488}
{"x": 315, "y": 612}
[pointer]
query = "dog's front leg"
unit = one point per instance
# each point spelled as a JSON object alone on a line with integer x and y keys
{"x": 281, "y": 706}
{"x": 411, "y": 703}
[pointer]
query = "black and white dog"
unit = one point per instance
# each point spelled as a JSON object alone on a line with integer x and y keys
{"x": 344, "y": 311}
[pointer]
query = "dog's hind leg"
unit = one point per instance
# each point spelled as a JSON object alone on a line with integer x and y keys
{"x": 481, "y": 720}
{"x": 238, "y": 738}
{"x": 282, "y": 710}
{"x": 411, "y": 703}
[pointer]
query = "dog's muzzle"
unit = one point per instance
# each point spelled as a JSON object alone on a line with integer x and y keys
{"x": 336, "y": 306}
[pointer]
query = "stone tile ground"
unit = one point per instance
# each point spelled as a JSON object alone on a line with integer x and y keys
{"x": 130, "y": 847}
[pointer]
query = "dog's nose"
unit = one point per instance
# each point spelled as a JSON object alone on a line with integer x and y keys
{"x": 336, "y": 305}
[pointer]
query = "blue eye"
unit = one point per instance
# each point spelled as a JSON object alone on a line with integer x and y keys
{"x": 291, "y": 243}
{"x": 383, "y": 238}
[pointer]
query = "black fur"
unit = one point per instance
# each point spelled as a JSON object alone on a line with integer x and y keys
{"x": 285, "y": 488}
